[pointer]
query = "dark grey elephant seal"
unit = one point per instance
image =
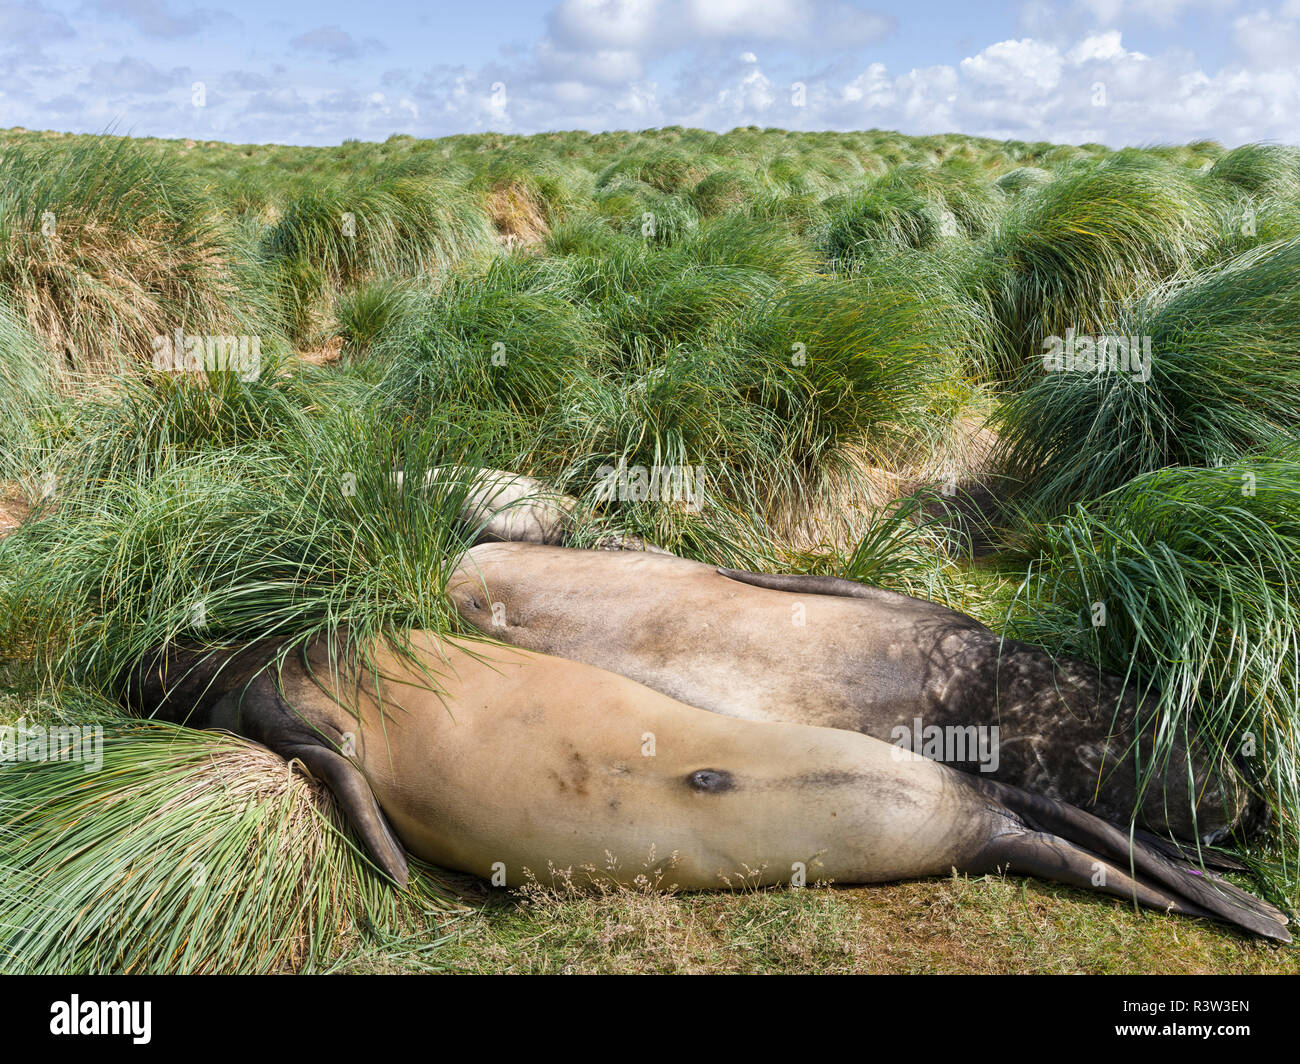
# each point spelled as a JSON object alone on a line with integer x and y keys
{"x": 499, "y": 761}
{"x": 833, "y": 653}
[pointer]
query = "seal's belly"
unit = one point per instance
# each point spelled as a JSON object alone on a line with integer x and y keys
{"x": 534, "y": 765}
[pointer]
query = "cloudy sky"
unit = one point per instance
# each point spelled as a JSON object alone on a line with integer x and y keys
{"x": 318, "y": 71}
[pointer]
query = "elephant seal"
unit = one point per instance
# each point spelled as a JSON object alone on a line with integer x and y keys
{"x": 499, "y": 507}
{"x": 833, "y": 653}
{"x": 499, "y": 761}
{"x": 507, "y": 507}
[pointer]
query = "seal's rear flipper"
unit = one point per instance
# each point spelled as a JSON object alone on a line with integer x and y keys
{"x": 1045, "y": 856}
{"x": 234, "y": 689}
{"x": 1215, "y": 860}
{"x": 1066, "y": 844}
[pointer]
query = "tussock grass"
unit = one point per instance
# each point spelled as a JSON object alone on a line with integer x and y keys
{"x": 311, "y": 535}
{"x": 867, "y": 353}
{"x": 503, "y": 340}
{"x": 667, "y": 170}
{"x": 1198, "y": 572}
{"x": 882, "y": 215}
{"x": 723, "y": 191}
{"x": 1067, "y": 254}
{"x": 957, "y": 186}
{"x": 407, "y": 224}
{"x": 905, "y": 544}
{"x": 1021, "y": 178}
{"x": 186, "y": 852}
{"x": 30, "y": 407}
{"x": 810, "y": 320}
{"x": 339, "y": 237}
{"x": 1261, "y": 170}
{"x": 910, "y": 206}
{"x": 529, "y": 193}
{"x": 662, "y": 219}
{"x": 718, "y": 351}
{"x": 1248, "y": 223}
{"x": 1225, "y": 381}
{"x": 104, "y": 247}
{"x": 364, "y": 314}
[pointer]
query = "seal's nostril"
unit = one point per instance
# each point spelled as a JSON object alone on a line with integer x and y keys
{"x": 710, "y": 780}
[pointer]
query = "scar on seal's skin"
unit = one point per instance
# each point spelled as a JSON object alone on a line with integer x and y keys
{"x": 711, "y": 781}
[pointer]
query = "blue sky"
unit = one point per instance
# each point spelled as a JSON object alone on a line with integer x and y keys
{"x": 1115, "y": 71}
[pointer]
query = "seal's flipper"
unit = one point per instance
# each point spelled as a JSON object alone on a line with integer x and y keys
{"x": 1045, "y": 856}
{"x": 1070, "y": 846}
{"x": 1215, "y": 860}
{"x": 809, "y": 585}
{"x": 358, "y": 803}
{"x": 235, "y": 689}
{"x": 260, "y": 712}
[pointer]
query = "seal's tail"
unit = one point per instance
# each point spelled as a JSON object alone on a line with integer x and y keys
{"x": 1067, "y": 845}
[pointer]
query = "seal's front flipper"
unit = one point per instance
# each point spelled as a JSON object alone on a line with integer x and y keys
{"x": 259, "y": 712}
{"x": 358, "y": 803}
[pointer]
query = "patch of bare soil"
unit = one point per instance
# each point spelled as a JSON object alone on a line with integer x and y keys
{"x": 13, "y": 507}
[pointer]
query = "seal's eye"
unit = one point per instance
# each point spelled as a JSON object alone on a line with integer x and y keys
{"x": 710, "y": 780}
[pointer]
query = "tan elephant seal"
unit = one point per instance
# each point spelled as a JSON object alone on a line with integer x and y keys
{"x": 498, "y": 761}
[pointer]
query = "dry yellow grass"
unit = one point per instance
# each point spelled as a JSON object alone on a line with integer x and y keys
{"x": 516, "y": 214}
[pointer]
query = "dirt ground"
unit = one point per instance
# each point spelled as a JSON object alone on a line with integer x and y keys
{"x": 13, "y": 507}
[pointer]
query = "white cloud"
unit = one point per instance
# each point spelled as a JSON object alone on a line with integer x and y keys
{"x": 1019, "y": 68}
{"x": 1105, "y": 46}
{"x": 604, "y": 24}
{"x": 728, "y": 18}
{"x": 606, "y": 66}
{"x": 603, "y": 64}
{"x": 1268, "y": 40}
{"x": 872, "y": 88}
{"x": 1030, "y": 89}
{"x": 753, "y": 96}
